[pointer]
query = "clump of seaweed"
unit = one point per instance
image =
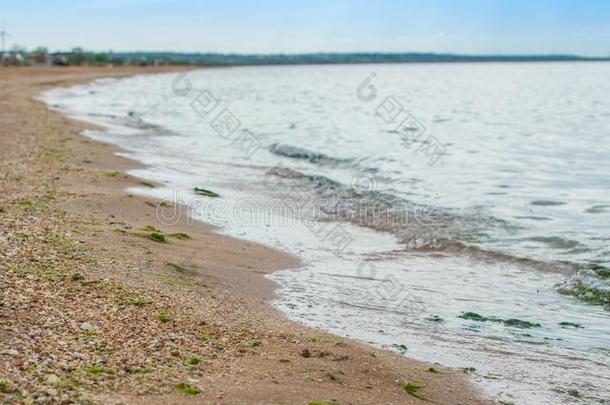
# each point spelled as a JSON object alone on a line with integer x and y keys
{"x": 187, "y": 389}
{"x": 24, "y": 203}
{"x": 588, "y": 294}
{"x": 592, "y": 295}
{"x": 473, "y": 316}
{"x": 569, "y": 391}
{"x": 97, "y": 370}
{"x": 155, "y": 236}
{"x": 590, "y": 285}
{"x": 570, "y": 325}
{"x": 401, "y": 348}
{"x": 601, "y": 271}
{"x": 518, "y": 323}
{"x": 6, "y": 387}
{"x": 412, "y": 388}
{"x": 204, "y": 192}
{"x": 164, "y": 315}
{"x": 573, "y": 393}
{"x": 135, "y": 300}
{"x": 181, "y": 236}
{"x": 512, "y": 322}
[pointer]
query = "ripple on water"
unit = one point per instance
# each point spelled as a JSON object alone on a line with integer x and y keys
{"x": 598, "y": 209}
{"x": 547, "y": 203}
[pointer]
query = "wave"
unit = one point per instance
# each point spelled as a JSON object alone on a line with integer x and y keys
{"x": 421, "y": 225}
{"x": 295, "y": 152}
{"x": 555, "y": 242}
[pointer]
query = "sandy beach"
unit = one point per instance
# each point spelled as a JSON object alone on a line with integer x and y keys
{"x": 96, "y": 306}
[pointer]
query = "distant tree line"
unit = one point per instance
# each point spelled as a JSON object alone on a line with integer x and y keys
{"x": 79, "y": 56}
{"x": 19, "y": 55}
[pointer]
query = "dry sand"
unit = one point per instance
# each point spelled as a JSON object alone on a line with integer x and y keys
{"x": 93, "y": 310}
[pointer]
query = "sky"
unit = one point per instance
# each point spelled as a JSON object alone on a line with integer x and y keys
{"x": 274, "y": 26}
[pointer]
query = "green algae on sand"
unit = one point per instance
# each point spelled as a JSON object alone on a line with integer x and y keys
{"x": 412, "y": 388}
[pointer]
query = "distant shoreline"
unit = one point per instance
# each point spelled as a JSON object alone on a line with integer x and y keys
{"x": 81, "y": 57}
{"x": 215, "y": 59}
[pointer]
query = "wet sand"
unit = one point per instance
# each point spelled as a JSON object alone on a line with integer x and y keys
{"x": 94, "y": 309}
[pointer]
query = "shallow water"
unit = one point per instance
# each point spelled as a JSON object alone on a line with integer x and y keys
{"x": 485, "y": 197}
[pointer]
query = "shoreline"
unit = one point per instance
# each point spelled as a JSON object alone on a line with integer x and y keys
{"x": 249, "y": 352}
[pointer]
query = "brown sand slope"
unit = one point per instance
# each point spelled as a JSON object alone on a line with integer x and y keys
{"x": 93, "y": 309}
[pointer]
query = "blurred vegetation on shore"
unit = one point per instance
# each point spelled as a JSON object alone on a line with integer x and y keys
{"x": 19, "y": 55}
